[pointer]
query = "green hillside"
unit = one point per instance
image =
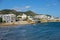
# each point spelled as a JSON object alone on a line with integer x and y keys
{"x": 29, "y": 12}
{"x": 8, "y": 11}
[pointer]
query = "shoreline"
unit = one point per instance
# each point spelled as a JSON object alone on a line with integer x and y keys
{"x": 18, "y": 23}
{"x": 14, "y": 23}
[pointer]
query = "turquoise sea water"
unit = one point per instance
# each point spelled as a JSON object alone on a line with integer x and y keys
{"x": 42, "y": 31}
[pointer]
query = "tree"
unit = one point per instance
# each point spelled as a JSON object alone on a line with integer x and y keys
{"x": 0, "y": 20}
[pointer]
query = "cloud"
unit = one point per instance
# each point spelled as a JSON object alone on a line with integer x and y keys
{"x": 27, "y": 7}
{"x": 24, "y": 8}
{"x": 16, "y": 8}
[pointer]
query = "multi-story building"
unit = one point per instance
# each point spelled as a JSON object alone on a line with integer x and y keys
{"x": 22, "y": 17}
{"x": 8, "y": 17}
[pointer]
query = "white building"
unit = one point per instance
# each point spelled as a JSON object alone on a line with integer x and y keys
{"x": 22, "y": 17}
{"x": 51, "y": 18}
{"x": 45, "y": 17}
{"x": 30, "y": 18}
{"x": 8, "y": 18}
{"x": 40, "y": 16}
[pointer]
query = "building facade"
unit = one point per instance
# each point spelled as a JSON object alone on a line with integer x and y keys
{"x": 8, "y": 18}
{"x": 22, "y": 17}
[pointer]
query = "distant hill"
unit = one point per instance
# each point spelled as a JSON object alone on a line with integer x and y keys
{"x": 8, "y": 11}
{"x": 29, "y": 12}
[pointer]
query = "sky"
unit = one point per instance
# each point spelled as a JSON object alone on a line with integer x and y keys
{"x": 50, "y": 7}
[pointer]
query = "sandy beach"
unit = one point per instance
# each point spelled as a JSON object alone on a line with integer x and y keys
{"x": 14, "y": 23}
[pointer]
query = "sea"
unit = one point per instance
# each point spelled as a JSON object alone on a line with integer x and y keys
{"x": 40, "y": 31}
